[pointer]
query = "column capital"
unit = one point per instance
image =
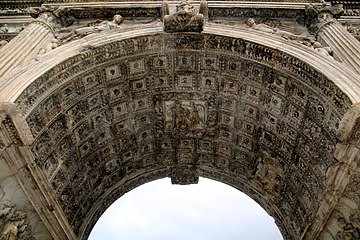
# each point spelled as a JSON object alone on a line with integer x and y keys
{"x": 52, "y": 17}
{"x": 322, "y": 21}
{"x": 317, "y": 17}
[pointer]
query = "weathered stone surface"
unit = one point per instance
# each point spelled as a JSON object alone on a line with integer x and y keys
{"x": 185, "y": 19}
{"x": 193, "y": 106}
{"x": 259, "y": 108}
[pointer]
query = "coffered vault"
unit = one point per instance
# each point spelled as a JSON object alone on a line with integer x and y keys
{"x": 92, "y": 109}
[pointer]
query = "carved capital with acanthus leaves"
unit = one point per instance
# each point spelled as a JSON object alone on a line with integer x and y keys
{"x": 53, "y": 17}
{"x": 317, "y": 17}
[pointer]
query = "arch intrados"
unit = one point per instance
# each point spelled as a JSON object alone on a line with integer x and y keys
{"x": 15, "y": 88}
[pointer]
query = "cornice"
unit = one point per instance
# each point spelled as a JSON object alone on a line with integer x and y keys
{"x": 22, "y": 4}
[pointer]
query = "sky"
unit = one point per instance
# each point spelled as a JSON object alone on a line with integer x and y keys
{"x": 208, "y": 210}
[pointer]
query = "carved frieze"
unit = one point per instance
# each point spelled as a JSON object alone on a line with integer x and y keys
{"x": 95, "y": 12}
{"x": 264, "y": 13}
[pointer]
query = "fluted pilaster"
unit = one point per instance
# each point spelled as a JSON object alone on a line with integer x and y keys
{"x": 345, "y": 46}
{"x": 25, "y": 46}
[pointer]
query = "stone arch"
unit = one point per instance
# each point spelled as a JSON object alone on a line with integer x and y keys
{"x": 115, "y": 111}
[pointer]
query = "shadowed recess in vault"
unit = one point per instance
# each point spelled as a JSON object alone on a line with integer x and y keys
{"x": 208, "y": 210}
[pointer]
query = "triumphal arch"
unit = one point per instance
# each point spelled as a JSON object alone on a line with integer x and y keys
{"x": 100, "y": 97}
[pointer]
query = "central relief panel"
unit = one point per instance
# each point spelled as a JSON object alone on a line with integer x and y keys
{"x": 185, "y": 118}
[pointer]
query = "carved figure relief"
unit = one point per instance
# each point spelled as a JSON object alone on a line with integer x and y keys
{"x": 185, "y": 118}
{"x": 96, "y": 28}
{"x": 13, "y": 223}
{"x": 349, "y": 230}
{"x": 184, "y": 20}
{"x": 267, "y": 29}
{"x": 3, "y": 43}
{"x": 268, "y": 171}
{"x": 326, "y": 51}
{"x": 7, "y": 209}
{"x": 355, "y": 31}
{"x": 4, "y": 28}
{"x": 102, "y": 26}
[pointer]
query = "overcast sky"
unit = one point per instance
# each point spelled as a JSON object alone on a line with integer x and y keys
{"x": 206, "y": 211}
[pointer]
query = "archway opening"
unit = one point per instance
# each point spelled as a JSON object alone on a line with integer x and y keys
{"x": 208, "y": 210}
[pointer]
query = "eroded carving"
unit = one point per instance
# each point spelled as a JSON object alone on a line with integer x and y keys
{"x": 93, "y": 28}
{"x": 185, "y": 118}
{"x": 10, "y": 131}
{"x": 184, "y": 175}
{"x": 318, "y": 16}
{"x": 284, "y": 34}
{"x": 268, "y": 171}
{"x": 349, "y": 126}
{"x": 326, "y": 51}
{"x": 344, "y": 222}
{"x": 264, "y": 13}
{"x": 4, "y": 28}
{"x": 3, "y": 43}
{"x": 348, "y": 230}
{"x": 13, "y": 11}
{"x": 355, "y": 31}
{"x": 184, "y": 20}
{"x": 13, "y": 223}
{"x": 148, "y": 103}
{"x": 54, "y": 16}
